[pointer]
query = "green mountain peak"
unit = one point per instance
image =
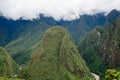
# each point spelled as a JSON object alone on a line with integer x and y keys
{"x": 57, "y": 58}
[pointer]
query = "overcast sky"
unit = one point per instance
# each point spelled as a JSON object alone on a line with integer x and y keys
{"x": 58, "y": 9}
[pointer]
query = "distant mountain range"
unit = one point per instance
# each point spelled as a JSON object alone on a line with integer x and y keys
{"x": 12, "y": 29}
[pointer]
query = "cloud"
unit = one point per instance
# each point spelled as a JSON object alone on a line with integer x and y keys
{"x": 58, "y": 9}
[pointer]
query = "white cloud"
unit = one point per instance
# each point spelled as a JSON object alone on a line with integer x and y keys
{"x": 58, "y": 9}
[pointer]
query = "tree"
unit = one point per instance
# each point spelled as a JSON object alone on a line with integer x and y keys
{"x": 112, "y": 74}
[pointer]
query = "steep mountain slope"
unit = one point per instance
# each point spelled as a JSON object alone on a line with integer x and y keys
{"x": 57, "y": 59}
{"x": 79, "y": 27}
{"x": 27, "y": 42}
{"x": 11, "y": 29}
{"x": 114, "y": 14}
{"x": 89, "y": 48}
{"x": 7, "y": 65}
{"x": 101, "y": 48}
{"x": 110, "y": 45}
{"x": 2, "y": 37}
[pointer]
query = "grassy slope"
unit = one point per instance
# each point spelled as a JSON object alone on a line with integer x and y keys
{"x": 8, "y": 68}
{"x": 57, "y": 59}
{"x": 7, "y": 65}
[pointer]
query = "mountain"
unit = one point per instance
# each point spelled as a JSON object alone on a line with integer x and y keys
{"x": 3, "y": 32}
{"x": 2, "y": 36}
{"x": 10, "y": 29}
{"x": 21, "y": 36}
{"x": 114, "y": 14}
{"x": 27, "y": 42}
{"x": 7, "y": 65}
{"x": 79, "y": 26}
{"x": 57, "y": 59}
{"x": 89, "y": 47}
{"x": 101, "y": 48}
{"x": 110, "y": 47}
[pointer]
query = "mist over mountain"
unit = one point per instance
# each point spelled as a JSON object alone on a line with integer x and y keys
{"x": 29, "y": 40}
{"x": 79, "y": 26}
{"x": 58, "y": 9}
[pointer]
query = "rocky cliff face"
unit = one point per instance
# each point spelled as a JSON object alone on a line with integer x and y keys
{"x": 101, "y": 48}
{"x": 110, "y": 44}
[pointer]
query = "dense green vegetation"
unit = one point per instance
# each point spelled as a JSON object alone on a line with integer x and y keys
{"x": 112, "y": 74}
{"x": 4, "y": 78}
{"x": 8, "y": 68}
{"x": 27, "y": 42}
{"x": 56, "y": 59}
{"x": 7, "y": 65}
{"x": 89, "y": 49}
{"x": 101, "y": 47}
{"x": 111, "y": 45}
{"x": 2, "y": 37}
